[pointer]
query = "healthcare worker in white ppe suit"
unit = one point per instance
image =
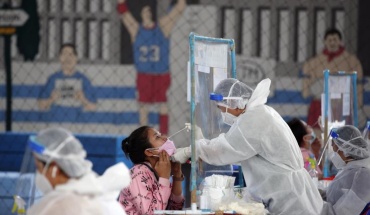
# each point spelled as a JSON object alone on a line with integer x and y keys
{"x": 261, "y": 141}
{"x": 67, "y": 181}
{"x": 349, "y": 192}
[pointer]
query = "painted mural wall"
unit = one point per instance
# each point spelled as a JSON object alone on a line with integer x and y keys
{"x": 99, "y": 70}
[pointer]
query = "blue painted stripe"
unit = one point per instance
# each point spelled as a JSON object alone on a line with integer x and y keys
{"x": 295, "y": 97}
{"x": 74, "y": 115}
{"x": 287, "y": 96}
{"x": 27, "y": 91}
{"x": 280, "y": 96}
{"x": 2, "y": 91}
{"x": 115, "y": 92}
{"x": 101, "y": 117}
{"x": 367, "y": 98}
{"x": 2, "y": 115}
{"x": 101, "y": 92}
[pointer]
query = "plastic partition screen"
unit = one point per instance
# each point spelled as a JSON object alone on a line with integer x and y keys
{"x": 339, "y": 105}
{"x": 211, "y": 61}
{"x": 340, "y": 98}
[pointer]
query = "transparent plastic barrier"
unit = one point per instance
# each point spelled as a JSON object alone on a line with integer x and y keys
{"x": 210, "y": 61}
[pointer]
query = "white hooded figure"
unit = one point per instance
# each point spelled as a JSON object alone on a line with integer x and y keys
{"x": 262, "y": 142}
{"x": 349, "y": 192}
{"x": 67, "y": 181}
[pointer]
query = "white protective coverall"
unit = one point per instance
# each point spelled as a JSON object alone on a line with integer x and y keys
{"x": 89, "y": 195}
{"x": 349, "y": 192}
{"x": 271, "y": 160}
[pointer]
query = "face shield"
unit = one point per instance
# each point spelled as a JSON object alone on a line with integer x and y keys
{"x": 231, "y": 93}
{"x": 350, "y": 141}
{"x": 328, "y": 148}
{"x": 226, "y": 117}
{"x": 223, "y": 101}
{"x": 26, "y": 193}
{"x": 50, "y": 145}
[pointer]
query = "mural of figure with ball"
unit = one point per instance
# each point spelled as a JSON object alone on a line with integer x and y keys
{"x": 68, "y": 87}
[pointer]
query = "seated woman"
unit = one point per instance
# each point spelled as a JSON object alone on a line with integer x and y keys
{"x": 349, "y": 193}
{"x": 305, "y": 137}
{"x": 150, "y": 188}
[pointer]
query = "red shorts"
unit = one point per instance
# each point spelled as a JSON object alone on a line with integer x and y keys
{"x": 153, "y": 88}
{"x": 314, "y": 111}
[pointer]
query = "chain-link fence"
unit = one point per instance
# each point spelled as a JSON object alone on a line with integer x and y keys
{"x": 274, "y": 39}
{"x": 120, "y": 71}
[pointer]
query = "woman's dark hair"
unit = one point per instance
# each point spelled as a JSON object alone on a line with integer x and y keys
{"x": 135, "y": 145}
{"x": 298, "y": 129}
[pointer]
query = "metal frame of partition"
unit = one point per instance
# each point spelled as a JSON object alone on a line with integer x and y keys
{"x": 327, "y": 74}
{"x": 192, "y": 39}
{"x": 353, "y": 76}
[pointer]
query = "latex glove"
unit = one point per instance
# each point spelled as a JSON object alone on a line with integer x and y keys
{"x": 197, "y": 129}
{"x": 182, "y": 154}
{"x": 188, "y": 126}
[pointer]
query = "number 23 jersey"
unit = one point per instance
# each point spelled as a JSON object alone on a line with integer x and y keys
{"x": 151, "y": 51}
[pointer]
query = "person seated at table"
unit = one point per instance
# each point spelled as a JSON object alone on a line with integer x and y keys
{"x": 150, "y": 187}
{"x": 305, "y": 137}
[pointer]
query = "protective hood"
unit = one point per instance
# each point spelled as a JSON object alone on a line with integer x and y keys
{"x": 116, "y": 178}
{"x": 260, "y": 94}
{"x": 113, "y": 180}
